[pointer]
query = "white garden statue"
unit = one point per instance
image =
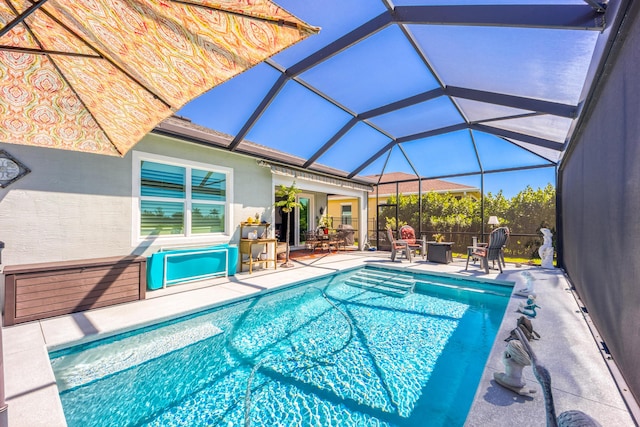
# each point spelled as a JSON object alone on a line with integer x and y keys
{"x": 528, "y": 288}
{"x": 546, "y": 250}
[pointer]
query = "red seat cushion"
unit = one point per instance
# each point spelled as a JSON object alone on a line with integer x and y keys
{"x": 408, "y": 235}
{"x": 480, "y": 252}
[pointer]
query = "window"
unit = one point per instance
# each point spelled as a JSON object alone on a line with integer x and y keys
{"x": 346, "y": 214}
{"x": 186, "y": 200}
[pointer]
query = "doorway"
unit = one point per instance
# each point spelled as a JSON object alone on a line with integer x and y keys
{"x": 301, "y": 221}
{"x": 304, "y": 220}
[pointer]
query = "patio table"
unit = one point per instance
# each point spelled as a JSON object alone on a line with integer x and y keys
{"x": 439, "y": 252}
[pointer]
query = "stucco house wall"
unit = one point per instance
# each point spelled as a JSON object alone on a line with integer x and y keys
{"x": 74, "y": 206}
{"x": 335, "y": 204}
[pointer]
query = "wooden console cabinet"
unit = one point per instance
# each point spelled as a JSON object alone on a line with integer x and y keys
{"x": 38, "y": 291}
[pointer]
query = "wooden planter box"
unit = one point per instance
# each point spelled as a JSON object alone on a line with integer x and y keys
{"x": 38, "y": 291}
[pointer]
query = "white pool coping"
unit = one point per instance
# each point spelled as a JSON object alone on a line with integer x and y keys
{"x": 581, "y": 376}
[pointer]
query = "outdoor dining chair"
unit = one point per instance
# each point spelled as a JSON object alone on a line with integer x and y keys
{"x": 397, "y": 246}
{"x": 492, "y": 251}
{"x": 400, "y": 245}
{"x": 408, "y": 234}
{"x": 312, "y": 240}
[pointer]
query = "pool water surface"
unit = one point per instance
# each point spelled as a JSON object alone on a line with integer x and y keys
{"x": 321, "y": 353}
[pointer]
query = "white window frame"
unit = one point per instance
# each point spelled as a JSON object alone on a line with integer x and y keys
{"x": 350, "y": 211}
{"x": 136, "y": 238}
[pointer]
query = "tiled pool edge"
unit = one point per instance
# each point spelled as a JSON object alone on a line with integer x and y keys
{"x": 580, "y": 378}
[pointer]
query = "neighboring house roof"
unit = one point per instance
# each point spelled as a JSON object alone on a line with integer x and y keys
{"x": 388, "y": 186}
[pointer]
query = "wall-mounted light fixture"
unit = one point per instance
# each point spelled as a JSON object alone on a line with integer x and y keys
{"x": 11, "y": 169}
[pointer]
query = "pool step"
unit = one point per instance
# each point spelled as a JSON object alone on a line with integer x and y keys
{"x": 384, "y": 282}
{"x": 385, "y": 275}
{"x": 80, "y": 368}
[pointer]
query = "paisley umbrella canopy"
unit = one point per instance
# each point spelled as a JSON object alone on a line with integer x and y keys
{"x": 97, "y": 75}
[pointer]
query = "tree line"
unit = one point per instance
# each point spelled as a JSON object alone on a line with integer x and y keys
{"x": 458, "y": 218}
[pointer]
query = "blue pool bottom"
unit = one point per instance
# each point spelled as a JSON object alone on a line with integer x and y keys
{"x": 324, "y": 354}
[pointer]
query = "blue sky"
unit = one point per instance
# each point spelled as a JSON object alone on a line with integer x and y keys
{"x": 511, "y": 183}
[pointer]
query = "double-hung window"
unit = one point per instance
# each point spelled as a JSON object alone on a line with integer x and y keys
{"x": 346, "y": 214}
{"x": 180, "y": 198}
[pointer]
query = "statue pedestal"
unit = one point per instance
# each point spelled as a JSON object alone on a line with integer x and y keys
{"x": 547, "y": 262}
{"x": 515, "y": 358}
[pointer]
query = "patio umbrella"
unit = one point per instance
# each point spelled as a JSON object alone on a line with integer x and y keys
{"x": 97, "y": 75}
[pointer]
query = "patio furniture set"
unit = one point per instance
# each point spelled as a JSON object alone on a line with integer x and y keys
{"x": 441, "y": 252}
{"x": 326, "y": 239}
{"x": 409, "y": 245}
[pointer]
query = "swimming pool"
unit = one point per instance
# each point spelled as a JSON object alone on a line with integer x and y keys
{"x": 321, "y": 353}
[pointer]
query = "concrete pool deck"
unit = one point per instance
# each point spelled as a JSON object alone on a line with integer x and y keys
{"x": 581, "y": 376}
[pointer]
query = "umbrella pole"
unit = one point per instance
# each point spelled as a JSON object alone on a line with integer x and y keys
{"x": 3, "y": 404}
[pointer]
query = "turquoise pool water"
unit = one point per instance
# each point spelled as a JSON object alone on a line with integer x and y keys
{"x": 320, "y": 353}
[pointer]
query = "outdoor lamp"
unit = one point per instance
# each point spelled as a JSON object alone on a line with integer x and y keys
{"x": 1, "y": 248}
{"x": 493, "y": 220}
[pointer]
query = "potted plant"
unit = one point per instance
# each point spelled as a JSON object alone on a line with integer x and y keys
{"x": 288, "y": 204}
{"x": 326, "y": 222}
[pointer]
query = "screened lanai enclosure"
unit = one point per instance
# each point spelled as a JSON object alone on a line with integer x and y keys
{"x": 467, "y": 93}
{"x": 526, "y": 111}
{"x": 504, "y": 97}
{"x": 455, "y": 213}
{"x": 432, "y": 89}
